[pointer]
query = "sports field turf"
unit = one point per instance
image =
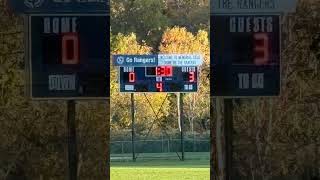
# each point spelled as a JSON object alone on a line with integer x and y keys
{"x": 195, "y": 167}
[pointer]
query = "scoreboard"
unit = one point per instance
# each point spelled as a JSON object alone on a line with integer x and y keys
{"x": 245, "y": 47}
{"x": 245, "y": 55}
{"x": 158, "y": 79}
{"x": 67, "y": 48}
{"x": 69, "y": 56}
{"x": 167, "y": 77}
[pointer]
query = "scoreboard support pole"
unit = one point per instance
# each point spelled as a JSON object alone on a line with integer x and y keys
{"x": 228, "y": 120}
{"x": 181, "y": 122}
{"x": 132, "y": 128}
{"x": 72, "y": 141}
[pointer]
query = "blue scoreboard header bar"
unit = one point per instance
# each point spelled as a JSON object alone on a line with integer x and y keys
{"x": 158, "y": 60}
{"x": 58, "y": 6}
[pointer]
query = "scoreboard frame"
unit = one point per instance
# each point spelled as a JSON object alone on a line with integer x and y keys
{"x": 174, "y": 82}
{"x": 28, "y": 57}
{"x": 151, "y": 92}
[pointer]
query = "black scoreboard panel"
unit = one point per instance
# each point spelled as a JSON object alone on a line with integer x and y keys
{"x": 158, "y": 79}
{"x": 245, "y": 55}
{"x": 69, "y": 56}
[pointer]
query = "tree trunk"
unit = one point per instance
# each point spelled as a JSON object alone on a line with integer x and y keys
{"x": 217, "y": 144}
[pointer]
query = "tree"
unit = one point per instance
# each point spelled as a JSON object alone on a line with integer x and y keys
{"x": 179, "y": 40}
{"x": 192, "y": 14}
{"x": 144, "y": 18}
{"x": 33, "y": 133}
{"x": 280, "y": 137}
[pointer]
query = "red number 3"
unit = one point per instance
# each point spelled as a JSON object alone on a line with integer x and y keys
{"x": 70, "y": 48}
{"x": 191, "y": 76}
{"x": 262, "y": 49}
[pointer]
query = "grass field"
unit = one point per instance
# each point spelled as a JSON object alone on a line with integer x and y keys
{"x": 162, "y": 167}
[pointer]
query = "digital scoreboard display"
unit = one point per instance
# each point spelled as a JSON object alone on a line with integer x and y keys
{"x": 158, "y": 79}
{"x": 69, "y": 55}
{"x": 245, "y": 55}
{"x": 158, "y": 72}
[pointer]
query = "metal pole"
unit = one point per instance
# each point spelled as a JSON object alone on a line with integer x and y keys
{"x": 132, "y": 128}
{"x": 181, "y": 120}
{"x": 72, "y": 140}
{"x": 228, "y": 117}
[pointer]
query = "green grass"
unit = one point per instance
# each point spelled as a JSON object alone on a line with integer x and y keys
{"x": 155, "y": 167}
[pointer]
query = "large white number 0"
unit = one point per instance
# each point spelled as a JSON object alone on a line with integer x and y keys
{"x": 68, "y": 58}
{"x": 262, "y": 48}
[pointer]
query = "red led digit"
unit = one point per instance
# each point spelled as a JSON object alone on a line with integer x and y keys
{"x": 164, "y": 71}
{"x": 70, "y": 48}
{"x": 158, "y": 71}
{"x": 261, "y": 49}
{"x": 191, "y": 76}
{"x": 132, "y": 77}
{"x": 168, "y": 71}
{"x": 159, "y": 86}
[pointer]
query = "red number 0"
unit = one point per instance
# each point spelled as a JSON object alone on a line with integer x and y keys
{"x": 262, "y": 48}
{"x": 70, "y": 48}
{"x": 132, "y": 77}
